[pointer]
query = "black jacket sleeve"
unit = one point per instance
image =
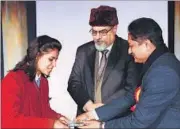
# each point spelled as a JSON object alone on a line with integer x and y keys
{"x": 75, "y": 82}
{"x": 116, "y": 107}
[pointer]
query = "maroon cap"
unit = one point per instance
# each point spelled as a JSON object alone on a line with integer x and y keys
{"x": 103, "y": 16}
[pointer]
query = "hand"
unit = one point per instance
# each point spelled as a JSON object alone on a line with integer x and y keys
{"x": 94, "y": 106}
{"x": 64, "y": 120}
{"x": 92, "y": 124}
{"x": 85, "y": 116}
{"x": 58, "y": 124}
{"x": 89, "y": 106}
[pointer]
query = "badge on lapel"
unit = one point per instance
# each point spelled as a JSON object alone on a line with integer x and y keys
{"x": 136, "y": 96}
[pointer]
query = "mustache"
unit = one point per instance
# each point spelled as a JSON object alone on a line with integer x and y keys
{"x": 132, "y": 54}
{"x": 98, "y": 41}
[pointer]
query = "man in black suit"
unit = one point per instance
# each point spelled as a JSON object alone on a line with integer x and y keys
{"x": 102, "y": 70}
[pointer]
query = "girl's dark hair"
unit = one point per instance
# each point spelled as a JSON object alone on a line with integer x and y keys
{"x": 39, "y": 45}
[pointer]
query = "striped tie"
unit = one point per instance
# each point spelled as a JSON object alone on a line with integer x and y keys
{"x": 102, "y": 64}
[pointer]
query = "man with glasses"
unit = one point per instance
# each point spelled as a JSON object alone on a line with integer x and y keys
{"x": 102, "y": 70}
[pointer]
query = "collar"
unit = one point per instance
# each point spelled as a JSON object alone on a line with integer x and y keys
{"x": 110, "y": 47}
{"x": 37, "y": 77}
{"x": 160, "y": 50}
{"x": 109, "y": 50}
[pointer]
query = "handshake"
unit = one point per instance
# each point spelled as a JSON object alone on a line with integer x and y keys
{"x": 85, "y": 120}
{"x": 88, "y": 120}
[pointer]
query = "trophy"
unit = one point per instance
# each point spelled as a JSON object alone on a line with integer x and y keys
{"x": 73, "y": 124}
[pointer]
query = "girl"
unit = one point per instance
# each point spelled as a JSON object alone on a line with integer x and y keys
{"x": 25, "y": 102}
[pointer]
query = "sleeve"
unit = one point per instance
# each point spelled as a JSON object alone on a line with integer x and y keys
{"x": 160, "y": 88}
{"x": 12, "y": 117}
{"x": 50, "y": 113}
{"x": 116, "y": 107}
{"x": 75, "y": 84}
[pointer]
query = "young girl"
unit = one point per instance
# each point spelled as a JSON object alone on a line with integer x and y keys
{"x": 25, "y": 90}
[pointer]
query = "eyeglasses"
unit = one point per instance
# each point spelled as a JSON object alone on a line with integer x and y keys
{"x": 101, "y": 32}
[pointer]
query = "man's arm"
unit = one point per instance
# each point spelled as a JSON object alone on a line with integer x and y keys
{"x": 116, "y": 107}
{"x": 160, "y": 88}
{"x": 110, "y": 110}
{"x": 120, "y": 105}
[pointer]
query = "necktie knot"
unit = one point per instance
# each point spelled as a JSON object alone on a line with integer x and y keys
{"x": 104, "y": 52}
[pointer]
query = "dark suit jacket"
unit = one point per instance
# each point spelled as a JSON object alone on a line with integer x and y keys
{"x": 159, "y": 104}
{"x": 120, "y": 74}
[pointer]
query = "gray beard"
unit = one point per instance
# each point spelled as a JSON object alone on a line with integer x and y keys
{"x": 101, "y": 47}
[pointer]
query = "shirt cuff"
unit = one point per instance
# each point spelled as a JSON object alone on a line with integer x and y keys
{"x": 103, "y": 125}
{"x": 89, "y": 102}
{"x": 95, "y": 114}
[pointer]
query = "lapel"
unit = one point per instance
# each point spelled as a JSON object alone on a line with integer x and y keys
{"x": 113, "y": 58}
{"x": 91, "y": 54}
{"x": 160, "y": 50}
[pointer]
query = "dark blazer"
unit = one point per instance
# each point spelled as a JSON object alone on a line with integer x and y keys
{"x": 120, "y": 74}
{"x": 159, "y": 104}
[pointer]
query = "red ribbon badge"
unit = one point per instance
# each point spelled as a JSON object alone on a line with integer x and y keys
{"x": 136, "y": 96}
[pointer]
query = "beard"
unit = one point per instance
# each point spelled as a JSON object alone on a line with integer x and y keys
{"x": 100, "y": 46}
